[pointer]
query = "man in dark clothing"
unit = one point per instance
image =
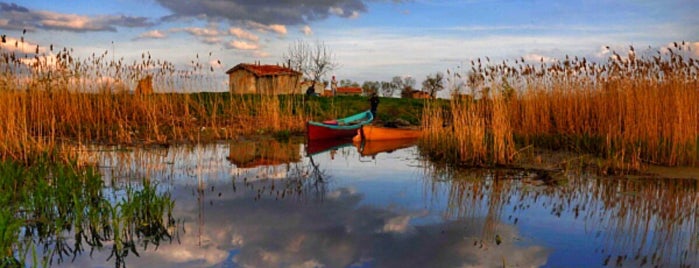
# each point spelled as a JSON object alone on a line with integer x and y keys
{"x": 374, "y": 101}
{"x": 311, "y": 90}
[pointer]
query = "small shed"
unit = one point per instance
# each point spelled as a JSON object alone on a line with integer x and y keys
{"x": 349, "y": 91}
{"x": 343, "y": 91}
{"x": 418, "y": 94}
{"x": 263, "y": 79}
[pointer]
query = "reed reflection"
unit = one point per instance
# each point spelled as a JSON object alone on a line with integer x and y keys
{"x": 53, "y": 213}
{"x": 639, "y": 221}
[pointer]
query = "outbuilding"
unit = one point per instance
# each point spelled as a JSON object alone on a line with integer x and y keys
{"x": 263, "y": 79}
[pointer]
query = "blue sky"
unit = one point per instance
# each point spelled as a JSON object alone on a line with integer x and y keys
{"x": 371, "y": 39}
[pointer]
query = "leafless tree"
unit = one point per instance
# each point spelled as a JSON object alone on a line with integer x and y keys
{"x": 369, "y": 87}
{"x": 388, "y": 88}
{"x": 313, "y": 60}
{"x": 406, "y": 84}
{"x": 433, "y": 84}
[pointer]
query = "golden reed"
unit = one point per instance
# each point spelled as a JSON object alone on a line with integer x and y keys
{"x": 51, "y": 99}
{"x": 629, "y": 110}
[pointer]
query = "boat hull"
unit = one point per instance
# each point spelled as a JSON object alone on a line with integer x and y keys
{"x": 372, "y": 148}
{"x": 375, "y": 133}
{"x": 315, "y": 132}
{"x": 339, "y": 128}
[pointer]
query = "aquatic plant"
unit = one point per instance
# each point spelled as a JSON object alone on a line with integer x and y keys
{"x": 44, "y": 204}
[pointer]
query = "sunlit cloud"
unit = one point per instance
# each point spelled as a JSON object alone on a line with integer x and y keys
{"x": 19, "y": 17}
{"x": 275, "y": 28}
{"x": 243, "y": 34}
{"x": 199, "y": 31}
{"x": 306, "y": 30}
{"x": 154, "y": 34}
{"x": 241, "y": 45}
{"x": 18, "y": 45}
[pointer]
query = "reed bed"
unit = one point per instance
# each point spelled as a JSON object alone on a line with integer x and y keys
{"x": 50, "y": 97}
{"x": 629, "y": 110}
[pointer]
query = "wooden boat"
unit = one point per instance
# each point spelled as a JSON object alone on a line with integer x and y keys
{"x": 372, "y": 148}
{"x": 375, "y": 133}
{"x": 340, "y": 128}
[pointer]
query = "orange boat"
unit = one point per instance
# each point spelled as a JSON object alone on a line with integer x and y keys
{"x": 372, "y": 148}
{"x": 376, "y": 133}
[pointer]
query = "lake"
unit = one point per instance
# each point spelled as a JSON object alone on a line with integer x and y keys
{"x": 277, "y": 204}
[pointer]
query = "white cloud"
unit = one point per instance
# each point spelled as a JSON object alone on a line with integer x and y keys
{"x": 275, "y": 28}
{"x": 154, "y": 34}
{"x": 19, "y": 17}
{"x": 306, "y": 30}
{"x": 538, "y": 58}
{"x": 336, "y": 10}
{"x": 25, "y": 47}
{"x": 353, "y": 15}
{"x": 243, "y": 34}
{"x": 242, "y": 45}
{"x": 198, "y": 31}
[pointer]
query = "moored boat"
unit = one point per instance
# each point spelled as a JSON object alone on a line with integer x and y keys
{"x": 375, "y": 133}
{"x": 340, "y": 128}
{"x": 372, "y": 148}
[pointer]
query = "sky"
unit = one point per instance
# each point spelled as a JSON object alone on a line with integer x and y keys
{"x": 371, "y": 40}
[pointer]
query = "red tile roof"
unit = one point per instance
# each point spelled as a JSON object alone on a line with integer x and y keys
{"x": 264, "y": 70}
{"x": 349, "y": 90}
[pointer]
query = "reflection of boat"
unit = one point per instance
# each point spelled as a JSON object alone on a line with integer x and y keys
{"x": 339, "y": 128}
{"x": 318, "y": 146}
{"x": 263, "y": 153}
{"x": 371, "y": 148}
{"x": 375, "y": 133}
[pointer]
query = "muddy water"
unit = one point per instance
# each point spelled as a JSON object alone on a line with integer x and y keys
{"x": 271, "y": 204}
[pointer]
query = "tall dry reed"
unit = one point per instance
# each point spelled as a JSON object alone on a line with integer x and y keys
{"x": 630, "y": 109}
{"x": 51, "y": 97}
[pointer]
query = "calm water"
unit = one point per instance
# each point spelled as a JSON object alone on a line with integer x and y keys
{"x": 270, "y": 204}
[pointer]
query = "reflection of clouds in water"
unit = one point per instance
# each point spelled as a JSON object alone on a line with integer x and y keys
{"x": 337, "y": 232}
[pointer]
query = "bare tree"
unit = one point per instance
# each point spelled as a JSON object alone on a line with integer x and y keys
{"x": 388, "y": 88}
{"x": 433, "y": 84}
{"x": 314, "y": 61}
{"x": 406, "y": 84}
{"x": 370, "y": 87}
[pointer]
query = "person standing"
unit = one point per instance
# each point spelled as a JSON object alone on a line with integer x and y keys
{"x": 333, "y": 86}
{"x": 374, "y": 101}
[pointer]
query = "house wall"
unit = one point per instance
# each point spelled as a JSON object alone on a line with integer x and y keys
{"x": 244, "y": 82}
{"x": 241, "y": 82}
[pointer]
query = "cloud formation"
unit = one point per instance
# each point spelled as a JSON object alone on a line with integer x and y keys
{"x": 306, "y": 30}
{"x": 242, "y": 45}
{"x": 154, "y": 34}
{"x": 16, "y": 17}
{"x": 292, "y": 12}
{"x": 243, "y": 34}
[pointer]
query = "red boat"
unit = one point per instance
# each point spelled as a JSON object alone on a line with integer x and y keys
{"x": 339, "y": 128}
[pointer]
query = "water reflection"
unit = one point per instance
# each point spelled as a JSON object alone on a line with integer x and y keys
{"x": 630, "y": 221}
{"x": 341, "y": 204}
